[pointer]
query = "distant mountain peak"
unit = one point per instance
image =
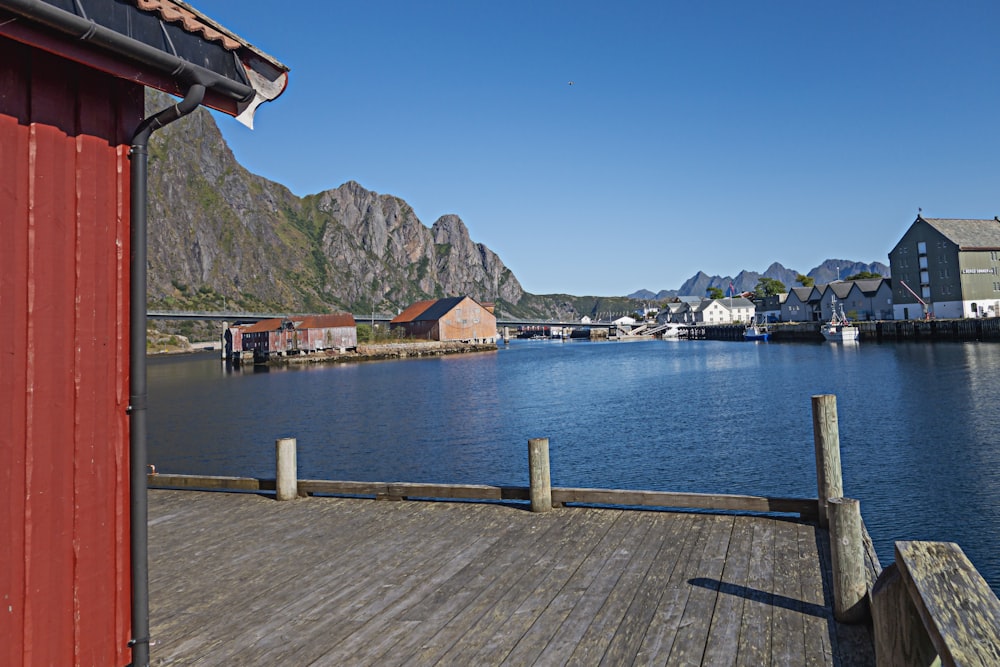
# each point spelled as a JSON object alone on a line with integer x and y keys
{"x": 746, "y": 281}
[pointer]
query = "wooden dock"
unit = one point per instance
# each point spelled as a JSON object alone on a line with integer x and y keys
{"x": 237, "y": 578}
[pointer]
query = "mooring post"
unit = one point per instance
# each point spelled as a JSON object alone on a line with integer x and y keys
{"x": 540, "y": 482}
{"x": 847, "y": 555}
{"x": 826, "y": 438}
{"x": 286, "y": 482}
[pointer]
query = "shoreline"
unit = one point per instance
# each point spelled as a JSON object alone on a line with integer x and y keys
{"x": 384, "y": 351}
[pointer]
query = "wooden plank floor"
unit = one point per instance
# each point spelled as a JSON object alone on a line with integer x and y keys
{"x": 240, "y": 579}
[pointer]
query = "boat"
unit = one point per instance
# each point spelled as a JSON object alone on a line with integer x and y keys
{"x": 839, "y": 329}
{"x": 756, "y": 332}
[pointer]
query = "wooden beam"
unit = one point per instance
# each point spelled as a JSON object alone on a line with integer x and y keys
{"x": 959, "y": 610}
{"x": 805, "y": 507}
{"x": 898, "y": 633}
{"x": 166, "y": 481}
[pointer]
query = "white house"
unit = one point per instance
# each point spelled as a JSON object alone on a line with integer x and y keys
{"x": 724, "y": 311}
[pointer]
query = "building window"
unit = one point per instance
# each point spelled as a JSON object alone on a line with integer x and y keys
{"x": 922, "y": 248}
{"x": 923, "y": 262}
{"x": 926, "y": 291}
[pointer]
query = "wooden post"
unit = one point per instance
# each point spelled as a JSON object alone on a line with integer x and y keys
{"x": 898, "y": 631}
{"x": 847, "y": 555}
{"x": 540, "y": 482}
{"x": 286, "y": 482}
{"x": 826, "y": 438}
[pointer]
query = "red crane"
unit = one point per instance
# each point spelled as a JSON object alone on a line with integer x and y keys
{"x": 927, "y": 308}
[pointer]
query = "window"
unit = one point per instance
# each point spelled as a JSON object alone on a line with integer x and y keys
{"x": 922, "y": 248}
{"x": 923, "y": 262}
{"x": 925, "y": 291}
{"x": 924, "y": 277}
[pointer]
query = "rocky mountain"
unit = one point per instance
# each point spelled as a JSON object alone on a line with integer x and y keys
{"x": 746, "y": 281}
{"x": 221, "y": 237}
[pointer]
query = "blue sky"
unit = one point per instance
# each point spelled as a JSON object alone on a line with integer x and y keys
{"x": 714, "y": 136}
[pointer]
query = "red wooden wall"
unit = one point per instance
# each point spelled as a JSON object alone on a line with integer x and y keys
{"x": 64, "y": 274}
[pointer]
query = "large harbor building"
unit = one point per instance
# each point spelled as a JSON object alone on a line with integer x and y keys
{"x": 947, "y": 268}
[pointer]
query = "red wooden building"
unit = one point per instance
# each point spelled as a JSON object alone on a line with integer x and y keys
{"x": 293, "y": 335}
{"x": 72, "y": 77}
{"x": 327, "y": 332}
{"x": 458, "y": 318}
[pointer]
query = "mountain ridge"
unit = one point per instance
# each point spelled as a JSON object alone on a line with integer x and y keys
{"x": 221, "y": 237}
{"x": 745, "y": 281}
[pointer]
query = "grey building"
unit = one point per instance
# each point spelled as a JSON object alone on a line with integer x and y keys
{"x": 947, "y": 268}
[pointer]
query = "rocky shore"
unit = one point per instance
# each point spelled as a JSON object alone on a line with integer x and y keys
{"x": 377, "y": 351}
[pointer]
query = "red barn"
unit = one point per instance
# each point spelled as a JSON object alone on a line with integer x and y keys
{"x": 325, "y": 332}
{"x": 72, "y": 77}
{"x": 296, "y": 335}
{"x": 458, "y": 318}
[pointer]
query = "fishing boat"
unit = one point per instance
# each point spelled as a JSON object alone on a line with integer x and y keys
{"x": 757, "y": 330}
{"x": 839, "y": 329}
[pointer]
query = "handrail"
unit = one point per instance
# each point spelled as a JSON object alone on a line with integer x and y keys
{"x": 932, "y": 604}
{"x": 806, "y": 508}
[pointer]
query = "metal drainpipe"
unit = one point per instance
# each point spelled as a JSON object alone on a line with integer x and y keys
{"x": 137, "y": 371}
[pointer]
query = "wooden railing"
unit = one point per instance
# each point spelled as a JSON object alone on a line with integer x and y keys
{"x": 803, "y": 507}
{"x": 931, "y": 606}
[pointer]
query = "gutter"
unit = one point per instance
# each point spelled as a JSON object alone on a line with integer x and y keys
{"x": 139, "y": 527}
{"x": 86, "y": 30}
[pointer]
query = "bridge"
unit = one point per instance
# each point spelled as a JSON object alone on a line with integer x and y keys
{"x": 376, "y": 318}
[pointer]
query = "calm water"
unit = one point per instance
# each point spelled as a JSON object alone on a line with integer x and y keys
{"x": 918, "y": 423}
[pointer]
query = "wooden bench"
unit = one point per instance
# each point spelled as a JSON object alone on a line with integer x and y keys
{"x": 933, "y": 607}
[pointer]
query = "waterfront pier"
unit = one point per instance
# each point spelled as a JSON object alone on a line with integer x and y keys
{"x": 321, "y": 572}
{"x": 237, "y": 578}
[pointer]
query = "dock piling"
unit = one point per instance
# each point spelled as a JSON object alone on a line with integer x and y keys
{"x": 287, "y": 469}
{"x": 540, "y": 482}
{"x": 847, "y": 555}
{"x": 826, "y": 438}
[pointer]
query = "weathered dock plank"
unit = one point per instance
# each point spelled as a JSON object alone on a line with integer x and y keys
{"x": 704, "y": 571}
{"x": 815, "y": 600}
{"x": 756, "y": 626}
{"x": 788, "y": 613}
{"x": 727, "y": 618}
{"x": 241, "y": 579}
{"x": 559, "y": 629}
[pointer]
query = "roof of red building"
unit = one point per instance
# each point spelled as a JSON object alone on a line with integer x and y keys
{"x": 434, "y": 309}
{"x": 412, "y": 312}
{"x": 326, "y": 321}
{"x": 164, "y": 44}
{"x": 272, "y": 324}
